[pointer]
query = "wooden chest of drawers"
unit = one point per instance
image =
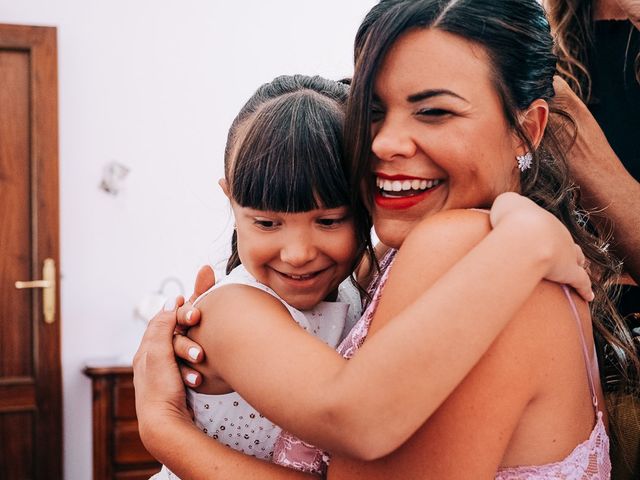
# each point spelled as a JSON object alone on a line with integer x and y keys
{"x": 118, "y": 452}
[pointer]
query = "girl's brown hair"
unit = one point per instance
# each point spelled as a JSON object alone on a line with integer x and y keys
{"x": 284, "y": 152}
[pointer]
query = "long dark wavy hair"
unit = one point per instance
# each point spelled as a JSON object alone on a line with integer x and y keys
{"x": 515, "y": 34}
{"x": 573, "y": 23}
{"x": 284, "y": 152}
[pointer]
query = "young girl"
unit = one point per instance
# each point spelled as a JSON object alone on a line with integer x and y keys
{"x": 294, "y": 239}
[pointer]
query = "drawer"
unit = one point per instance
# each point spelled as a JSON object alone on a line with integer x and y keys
{"x": 128, "y": 448}
{"x": 124, "y": 398}
{"x": 139, "y": 474}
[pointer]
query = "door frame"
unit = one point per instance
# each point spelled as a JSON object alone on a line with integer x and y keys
{"x": 41, "y": 45}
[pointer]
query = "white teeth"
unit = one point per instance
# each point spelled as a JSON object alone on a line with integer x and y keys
{"x": 300, "y": 277}
{"x": 405, "y": 185}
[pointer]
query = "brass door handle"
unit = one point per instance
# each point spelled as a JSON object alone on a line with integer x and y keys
{"x": 33, "y": 284}
{"x": 48, "y": 285}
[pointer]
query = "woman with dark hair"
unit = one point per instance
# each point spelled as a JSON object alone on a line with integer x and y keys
{"x": 452, "y": 98}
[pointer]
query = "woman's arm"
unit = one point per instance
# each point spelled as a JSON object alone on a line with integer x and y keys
{"x": 533, "y": 360}
{"x": 165, "y": 425}
{"x": 308, "y": 389}
{"x": 476, "y": 428}
{"x": 606, "y": 186}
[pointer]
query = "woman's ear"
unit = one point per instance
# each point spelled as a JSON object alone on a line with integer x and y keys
{"x": 224, "y": 185}
{"x": 533, "y": 121}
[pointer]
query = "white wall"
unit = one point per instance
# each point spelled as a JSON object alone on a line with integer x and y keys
{"x": 154, "y": 84}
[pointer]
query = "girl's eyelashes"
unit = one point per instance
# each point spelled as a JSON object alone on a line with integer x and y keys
{"x": 333, "y": 221}
{"x": 265, "y": 223}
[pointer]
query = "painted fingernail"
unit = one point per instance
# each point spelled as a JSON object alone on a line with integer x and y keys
{"x": 191, "y": 378}
{"x": 170, "y": 304}
{"x": 188, "y": 315}
{"x": 194, "y": 352}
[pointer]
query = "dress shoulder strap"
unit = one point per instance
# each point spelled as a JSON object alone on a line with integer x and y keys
{"x": 585, "y": 350}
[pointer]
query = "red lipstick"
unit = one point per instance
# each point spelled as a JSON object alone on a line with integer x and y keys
{"x": 400, "y": 202}
{"x": 397, "y": 177}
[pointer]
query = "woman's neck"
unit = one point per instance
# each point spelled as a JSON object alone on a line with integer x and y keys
{"x": 608, "y": 10}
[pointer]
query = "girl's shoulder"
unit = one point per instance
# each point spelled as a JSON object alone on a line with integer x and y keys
{"x": 238, "y": 276}
{"x": 239, "y": 293}
{"x": 239, "y": 298}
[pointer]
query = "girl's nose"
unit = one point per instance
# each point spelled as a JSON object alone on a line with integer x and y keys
{"x": 298, "y": 251}
{"x": 391, "y": 141}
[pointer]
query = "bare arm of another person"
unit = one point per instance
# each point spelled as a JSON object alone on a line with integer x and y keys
{"x": 605, "y": 184}
{"x": 278, "y": 365}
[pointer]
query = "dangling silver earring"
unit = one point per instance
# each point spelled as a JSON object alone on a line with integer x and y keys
{"x": 524, "y": 161}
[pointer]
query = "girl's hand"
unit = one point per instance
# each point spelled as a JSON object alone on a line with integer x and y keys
{"x": 545, "y": 233}
{"x": 187, "y": 316}
{"x": 158, "y": 387}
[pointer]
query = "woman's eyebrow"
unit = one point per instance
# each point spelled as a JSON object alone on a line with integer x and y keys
{"x": 423, "y": 95}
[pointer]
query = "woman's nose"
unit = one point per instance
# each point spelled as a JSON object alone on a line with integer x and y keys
{"x": 391, "y": 141}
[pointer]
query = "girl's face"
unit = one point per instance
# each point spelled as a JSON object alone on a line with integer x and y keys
{"x": 440, "y": 138}
{"x": 303, "y": 256}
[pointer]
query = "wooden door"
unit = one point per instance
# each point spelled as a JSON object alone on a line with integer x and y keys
{"x": 30, "y": 377}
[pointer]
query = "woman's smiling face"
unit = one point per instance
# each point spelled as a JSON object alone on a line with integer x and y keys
{"x": 440, "y": 136}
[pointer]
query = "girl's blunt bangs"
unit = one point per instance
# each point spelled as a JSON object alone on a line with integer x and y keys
{"x": 290, "y": 157}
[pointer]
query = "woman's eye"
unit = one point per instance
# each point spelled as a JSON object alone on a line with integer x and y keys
{"x": 377, "y": 114}
{"x": 433, "y": 112}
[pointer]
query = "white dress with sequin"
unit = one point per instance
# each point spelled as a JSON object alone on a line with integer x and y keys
{"x": 229, "y": 418}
